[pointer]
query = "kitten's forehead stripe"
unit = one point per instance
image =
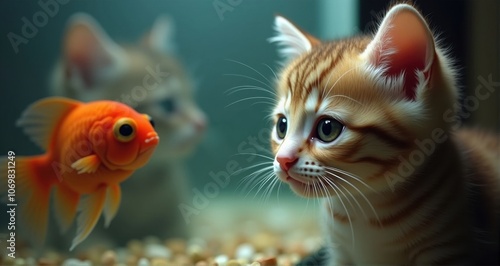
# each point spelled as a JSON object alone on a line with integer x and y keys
{"x": 308, "y": 73}
{"x": 311, "y": 101}
{"x": 287, "y": 102}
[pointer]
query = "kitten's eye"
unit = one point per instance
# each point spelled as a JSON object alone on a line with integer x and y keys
{"x": 329, "y": 129}
{"x": 281, "y": 127}
{"x": 169, "y": 105}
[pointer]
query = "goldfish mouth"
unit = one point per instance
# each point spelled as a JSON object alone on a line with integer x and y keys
{"x": 152, "y": 138}
{"x": 148, "y": 140}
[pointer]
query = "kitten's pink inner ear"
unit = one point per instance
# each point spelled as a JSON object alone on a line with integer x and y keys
{"x": 83, "y": 50}
{"x": 407, "y": 34}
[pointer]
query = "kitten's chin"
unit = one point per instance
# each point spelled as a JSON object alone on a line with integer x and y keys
{"x": 307, "y": 190}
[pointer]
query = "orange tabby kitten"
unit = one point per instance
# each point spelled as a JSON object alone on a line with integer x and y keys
{"x": 361, "y": 122}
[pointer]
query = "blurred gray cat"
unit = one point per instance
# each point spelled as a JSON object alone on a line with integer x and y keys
{"x": 147, "y": 77}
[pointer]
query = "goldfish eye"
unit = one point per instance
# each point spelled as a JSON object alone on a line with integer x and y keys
{"x": 124, "y": 129}
{"x": 151, "y": 121}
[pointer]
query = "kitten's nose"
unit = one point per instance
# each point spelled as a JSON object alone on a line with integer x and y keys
{"x": 286, "y": 162}
{"x": 201, "y": 125}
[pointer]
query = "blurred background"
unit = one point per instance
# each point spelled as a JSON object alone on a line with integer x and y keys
{"x": 215, "y": 40}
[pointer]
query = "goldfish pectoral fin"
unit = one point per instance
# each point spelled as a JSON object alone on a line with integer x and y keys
{"x": 87, "y": 164}
{"x": 113, "y": 198}
{"x": 90, "y": 209}
{"x": 66, "y": 203}
{"x": 40, "y": 120}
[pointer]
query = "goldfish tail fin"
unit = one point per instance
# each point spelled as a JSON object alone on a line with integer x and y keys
{"x": 113, "y": 198}
{"x": 66, "y": 203}
{"x": 28, "y": 191}
{"x": 90, "y": 209}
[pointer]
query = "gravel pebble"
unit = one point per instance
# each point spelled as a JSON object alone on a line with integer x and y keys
{"x": 76, "y": 262}
{"x": 245, "y": 251}
{"x": 177, "y": 245}
{"x": 233, "y": 263}
{"x": 221, "y": 260}
{"x": 157, "y": 251}
{"x": 143, "y": 262}
{"x": 269, "y": 261}
{"x": 109, "y": 258}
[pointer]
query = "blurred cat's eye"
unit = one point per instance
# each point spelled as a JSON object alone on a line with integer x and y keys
{"x": 151, "y": 121}
{"x": 328, "y": 129}
{"x": 281, "y": 127}
{"x": 169, "y": 105}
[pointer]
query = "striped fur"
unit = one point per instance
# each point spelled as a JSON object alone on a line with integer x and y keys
{"x": 400, "y": 186}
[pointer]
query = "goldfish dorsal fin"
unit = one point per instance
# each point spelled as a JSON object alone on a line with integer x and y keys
{"x": 90, "y": 209}
{"x": 87, "y": 164}
{"x": 41, "y": 118}
{"x": 113, "y": 197}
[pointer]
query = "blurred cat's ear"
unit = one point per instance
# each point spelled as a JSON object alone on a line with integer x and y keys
{"x": 90, "y": 57}
{"x": 292, "y": 41}
{"x": 403, "y": 48}
{"x": 161, "y": 35}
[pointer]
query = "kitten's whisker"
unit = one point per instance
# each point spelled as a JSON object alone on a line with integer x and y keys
{"x": 260, "y": 102}
{"x": 353, "y": 176}
{"x": 253, "y": 175}
{"x": 273, "y": 101}
{"x": 270, "y": 164}
{"x": 355, "y": 200}
{"x": 274, "y": 73}
{"x": 327, "y": 195}
{"x": 279, "y": 188}
{"x": 256, "y": 173}
{"x": 344, "y": 96}
{"x": 328, "y": 82}
{"x": 257, "y": 154}
{"x": 317, "y": 192}
{"x": 360, "y": 193}
{"x": 267, "y": 189}
{"x": 256, "y": 182}
{"x": 266, "y": 180}
{"x": 341, "y": 76}
{"x": 254, "y": 79}
{"x": 243, "y": 64}
{"x": 236, "y": 89}
{"x": 307, "y": 203}
{"x": 251, "y": 178}
{"x": 343, "y": 205}
{"x": 271, "y": 188}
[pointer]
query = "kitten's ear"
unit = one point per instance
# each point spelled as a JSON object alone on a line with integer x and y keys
{"x": 403, "y": 45}
{"x": 161, "y": 35}
{"x": 293, "y": 41}
{"x": 90, "y": 56}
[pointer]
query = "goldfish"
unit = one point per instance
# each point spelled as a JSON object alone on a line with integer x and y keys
{"x": 90, "y": 148}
